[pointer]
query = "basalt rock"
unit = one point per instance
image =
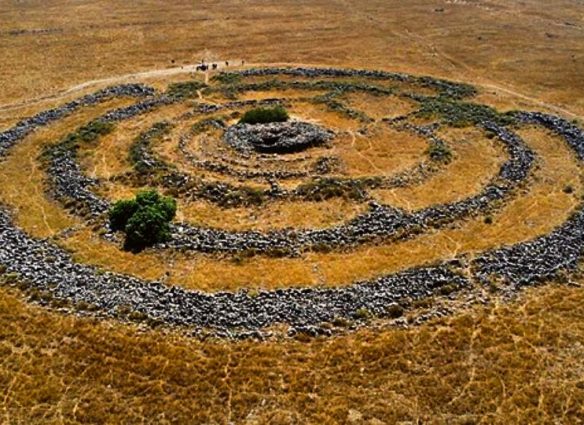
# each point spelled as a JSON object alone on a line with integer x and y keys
{"x": 277, "y": 138}
{"x": 43, "y": 267}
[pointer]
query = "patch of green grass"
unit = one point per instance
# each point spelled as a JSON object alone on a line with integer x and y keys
{"x": 185, "y": 89}
{"x": 227, "y": 78}
{"x": 460, "y": 114}
{"x": 439, "y": 152}
{"x": 85, "y": 134}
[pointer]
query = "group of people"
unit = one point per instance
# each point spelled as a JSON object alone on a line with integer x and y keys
{"x": 205, "y": 66}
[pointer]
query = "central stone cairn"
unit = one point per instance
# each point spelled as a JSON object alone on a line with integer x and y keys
{"x": 276, "y": 137}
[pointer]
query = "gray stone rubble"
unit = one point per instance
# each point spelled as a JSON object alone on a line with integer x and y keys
{"x": 67, "y": 182}
{"x": 379, "y": 222}
{"x": 284, "y": 137}
{"x": 43, "y": 267}
{"x": 446, "y": 88}
{"x": 11, "y": 136}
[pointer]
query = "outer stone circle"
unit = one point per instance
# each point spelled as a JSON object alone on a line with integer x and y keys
{"x": 44, "y": 266}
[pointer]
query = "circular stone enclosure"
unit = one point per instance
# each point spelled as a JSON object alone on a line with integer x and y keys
{"x": 52, "y": 267}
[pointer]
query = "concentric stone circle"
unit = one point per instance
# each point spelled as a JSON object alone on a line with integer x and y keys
{"x": 43, "y": 266}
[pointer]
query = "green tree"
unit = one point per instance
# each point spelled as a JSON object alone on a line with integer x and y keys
{"x": 145, "y": 219}
{"x": 121, "y": 213}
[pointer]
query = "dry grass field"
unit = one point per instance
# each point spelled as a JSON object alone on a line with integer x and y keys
{"x": 514, "y": 360}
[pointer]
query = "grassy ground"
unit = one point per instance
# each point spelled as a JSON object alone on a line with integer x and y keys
{"x": 525, "y": 46}
{"x": 507, "y": 363}
{"x": 503, "y": 364}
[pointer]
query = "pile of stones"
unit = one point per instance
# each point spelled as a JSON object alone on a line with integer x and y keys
{"x": 68, "y": 184}
{"x": 549, "y": 255}
{"x": 379, "y": 222}
{"x": 445, "y": 88}
{"x": 276, "y": 137}
{"x": 209, "y": 108}
{"x": 181, "y": 184}
{"x": 218, "y": 165}
{"x": 55, "y": 276}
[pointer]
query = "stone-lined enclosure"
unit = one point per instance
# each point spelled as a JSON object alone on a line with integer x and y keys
{"x": 211, "y": 142}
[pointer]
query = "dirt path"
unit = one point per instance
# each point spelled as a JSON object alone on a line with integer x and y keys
{"x": 137, "y": 76}
{"x": 364, "y": 157}
{"x": 478, "y": 80}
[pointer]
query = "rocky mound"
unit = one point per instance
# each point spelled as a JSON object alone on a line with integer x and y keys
{"x": 276, "y": 137}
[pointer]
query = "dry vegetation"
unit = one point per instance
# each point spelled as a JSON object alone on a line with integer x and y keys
{"x": 518, "y": 361}
{"x": 503, "y": 364}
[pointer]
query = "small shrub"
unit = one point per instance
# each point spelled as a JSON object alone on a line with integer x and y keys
{"x": 121, "y": 212}
{"x": 185, "y": 89}
{"x": 394, "y": 311}
{"x": 11, "y": 277}
{"x": 322, "y": 247}
{"x": 137, "y": 316}
{"x": 447, "y": 289}
{"x": 88, "y": 133}
{"x": 341, "y": 322}
{"x": 227, "y": 78}
{"x": 488, "y": 220}
{"x": 265, "y": 115}
{"x": 243, "y": 196}
{"x": 569, "y": 189}
{"x": 145, "y": 219}
{"x": 423, "y": 303}
{"x": 146, "y": 226}
{"x": 439, "y": 152}
{"x": 93, "y": 130}
{"x": 322, "y": 189}
{"x": 85, "y": 306}
{"x": 363, "y": 314}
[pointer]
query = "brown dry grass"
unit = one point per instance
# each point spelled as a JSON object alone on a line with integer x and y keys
{"x": 525, "y": 47}
{"x": 21, "y": 179}
{"x": 110, "y": 156}
{"x": 274, "y": 215}
{"x": 503, "y": 364}
{"x": 518, "y": 363}
{"x": 383, "y": 151}
{"x": 476, "y": 161}
{"x": 378, "y": 107}
{"x": 278, "y": 94}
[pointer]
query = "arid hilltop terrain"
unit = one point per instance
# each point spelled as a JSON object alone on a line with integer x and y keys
{"x": 378, "y": 212}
